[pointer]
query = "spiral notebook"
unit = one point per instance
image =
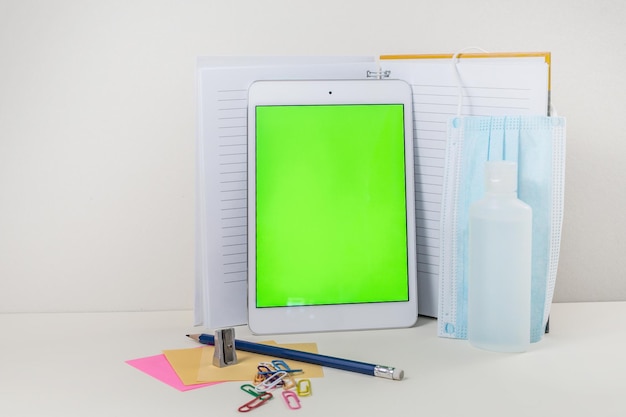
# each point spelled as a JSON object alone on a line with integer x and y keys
{"x": 493, "y": 84}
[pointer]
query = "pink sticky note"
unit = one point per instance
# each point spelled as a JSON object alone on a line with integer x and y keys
{"x": 158, "y": 367}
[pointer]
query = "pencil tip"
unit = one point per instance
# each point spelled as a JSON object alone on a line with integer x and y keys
{"x": 187, "y": 335}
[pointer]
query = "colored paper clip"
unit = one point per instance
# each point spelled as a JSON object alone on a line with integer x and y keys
{"x": 291, "y": 371}
{"x": 264, "y": 370}
{"x": 269, "y": 365}
{"x": 271, "y": 382}
{"x": 249, "y": 388}
{"x": 280, "y": 365}
{"x": 258, "y": 378}
{"x": 256, "y": 402}
{"x": 291, "y": 399}
{"x": 288, "y": 381}
{"x": 303, "y": 387}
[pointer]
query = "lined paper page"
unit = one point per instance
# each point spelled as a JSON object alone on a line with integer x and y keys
{"x": 232, "y": 154}
{"x": 490, "y": 87}
{"x": 221, "y": 240}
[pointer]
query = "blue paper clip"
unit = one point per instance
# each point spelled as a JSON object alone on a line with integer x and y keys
{"x": 256, "y": 402}
{"x": 303, "y": 387}
{"x": 291, "y": 371}
{"x": 280, "y": 365}
{"x": 291, "y": 399}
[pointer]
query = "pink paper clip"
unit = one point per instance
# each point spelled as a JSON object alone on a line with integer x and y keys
{"x": 303, "y": 387}
{"x": 291, "y": 399}
{"x": 255, "y": 403}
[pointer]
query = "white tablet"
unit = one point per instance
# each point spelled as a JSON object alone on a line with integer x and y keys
{"x": 331, "y": 220}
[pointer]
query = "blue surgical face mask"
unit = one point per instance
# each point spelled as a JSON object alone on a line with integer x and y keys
{"x": 537, "y": 144}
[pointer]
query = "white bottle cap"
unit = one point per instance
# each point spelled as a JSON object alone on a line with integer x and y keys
{"x": 500, "y": 177}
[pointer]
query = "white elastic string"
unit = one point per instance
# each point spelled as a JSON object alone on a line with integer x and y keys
{"x": 457, "y": 75}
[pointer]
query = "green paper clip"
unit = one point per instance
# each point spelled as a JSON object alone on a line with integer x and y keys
{"x": 249, "y": 388}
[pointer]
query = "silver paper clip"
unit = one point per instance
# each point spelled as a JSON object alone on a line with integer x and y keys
{"x": 224, "y": 353}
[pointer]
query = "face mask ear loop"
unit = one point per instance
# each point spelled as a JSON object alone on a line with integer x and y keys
{"x": 552, "y": 111}
{"x": 459, "y": 86}
{"x": 457, "y": 75}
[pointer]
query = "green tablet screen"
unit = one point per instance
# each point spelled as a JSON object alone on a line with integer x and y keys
{"x": 331, "y": 224}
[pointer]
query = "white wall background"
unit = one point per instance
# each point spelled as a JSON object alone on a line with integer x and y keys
{"x": 97, "y": 128}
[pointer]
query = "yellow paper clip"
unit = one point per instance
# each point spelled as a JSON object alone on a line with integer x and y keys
{"x": 303, "y": 387}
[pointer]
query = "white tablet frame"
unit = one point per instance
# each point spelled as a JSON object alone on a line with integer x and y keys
{"x": 317, "y": 318}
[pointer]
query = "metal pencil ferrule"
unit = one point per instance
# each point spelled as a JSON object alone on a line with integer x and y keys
{"x": 388, "y": 372}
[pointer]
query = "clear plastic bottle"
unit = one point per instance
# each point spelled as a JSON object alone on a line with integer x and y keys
{"x": 500, "y": 233}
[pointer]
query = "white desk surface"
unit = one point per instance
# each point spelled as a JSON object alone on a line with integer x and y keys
{"x": 74, "y": 365}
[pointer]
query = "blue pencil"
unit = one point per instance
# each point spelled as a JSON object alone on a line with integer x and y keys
{"x": 314, "y": 358}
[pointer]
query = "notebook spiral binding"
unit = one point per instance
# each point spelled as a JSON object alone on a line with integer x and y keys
{"x": 380, "y": 74}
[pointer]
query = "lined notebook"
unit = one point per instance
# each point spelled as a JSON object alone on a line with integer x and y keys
{"x": 492, "y": 84}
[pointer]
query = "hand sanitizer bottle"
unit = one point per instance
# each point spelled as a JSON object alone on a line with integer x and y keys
{"x": 500, "y": 233}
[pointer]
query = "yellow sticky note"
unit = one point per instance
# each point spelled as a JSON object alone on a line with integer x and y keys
{"x": 185, "y": 363}
{"x": 195, "y": 365}
{"x": 246, "y": 366}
